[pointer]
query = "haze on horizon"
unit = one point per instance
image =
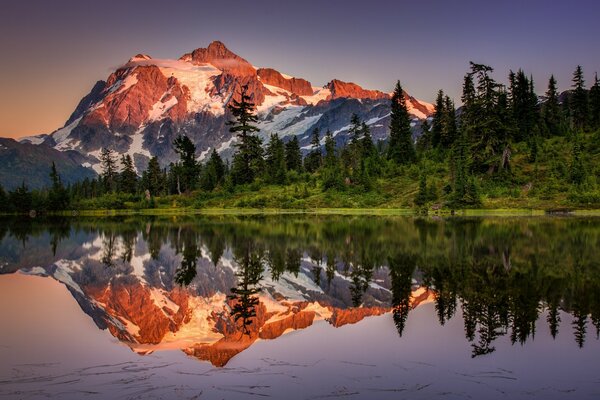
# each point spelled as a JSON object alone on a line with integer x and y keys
{"x": 54, "y": 52}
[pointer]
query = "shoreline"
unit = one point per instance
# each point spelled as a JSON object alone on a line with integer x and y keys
{"x": 507, "y": 212}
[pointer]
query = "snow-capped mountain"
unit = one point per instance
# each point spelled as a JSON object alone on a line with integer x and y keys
{"x": 147, "y": 102}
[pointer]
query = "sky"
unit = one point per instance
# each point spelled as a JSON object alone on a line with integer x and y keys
{"x": 52, "y": 52}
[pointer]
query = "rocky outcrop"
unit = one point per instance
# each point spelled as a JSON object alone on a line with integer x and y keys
{"x": 340, "y": 89}
{"x": 297, "y": 86}
{"x": 341, "y": 317}
{"x": 129, "y": 301}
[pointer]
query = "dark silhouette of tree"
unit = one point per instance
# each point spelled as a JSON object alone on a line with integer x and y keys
{"x": 401, "y": 149}
{"x": 247, "y": 160}
{"x": 245, "y": 293}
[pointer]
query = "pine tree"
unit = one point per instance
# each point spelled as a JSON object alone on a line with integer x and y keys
{"x": 595, "y": 104}
{"x": 276, "y": 161}
{"x": 58, "y": 197}
{"x": 314, "y": 159}
{"x": 366, "y": 143}
{"x": 213, "y": 173}
{"x": 109, "y": 169}
{"x": 331, "y": 174}
{"x": 448, "y": 121}
{"x": 153, "y": 179}
{"x": 401, "y": 149}
{"x": 579, "y": 100}
{"x": 188, "y": 167}
{"x": 422, "y": 195}
{"x": 21, "y": 199}
{"x": 438, "y": 117}
{"x": 247, "y": 160}
{"x": 128, "y": 177}
{"x": 552, "y": 114}
{"x": 3, "y": 200}
{"x": 293, "y": 155}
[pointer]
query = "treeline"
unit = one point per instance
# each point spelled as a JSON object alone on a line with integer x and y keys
{"x": 460, "y": 153}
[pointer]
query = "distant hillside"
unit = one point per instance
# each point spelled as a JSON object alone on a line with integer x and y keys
{"x": 20, "y": 161}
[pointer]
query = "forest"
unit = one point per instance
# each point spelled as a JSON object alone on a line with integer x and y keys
{"x": 504, "y": 147}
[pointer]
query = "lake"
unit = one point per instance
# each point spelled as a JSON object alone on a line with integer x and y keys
{"x": 299, "y": 306}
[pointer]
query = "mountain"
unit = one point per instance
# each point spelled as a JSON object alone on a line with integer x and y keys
{"x": 146, "y": 103}
{"x": 31, "y": 163}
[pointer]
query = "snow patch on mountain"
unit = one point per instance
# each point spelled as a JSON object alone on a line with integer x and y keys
{"x": 197, "y": 78}
{"x": 160, "y": 108}
{"x": 318, "y": 95}
{"x": 60, "y": 136}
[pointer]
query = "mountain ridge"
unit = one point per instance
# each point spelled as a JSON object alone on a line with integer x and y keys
{"x": 146, "y": 103}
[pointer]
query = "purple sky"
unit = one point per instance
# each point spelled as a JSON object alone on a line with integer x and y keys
{"x": 54, "y": 51}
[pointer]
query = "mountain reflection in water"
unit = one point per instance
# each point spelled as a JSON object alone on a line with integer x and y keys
{"x": 212, "y": 286}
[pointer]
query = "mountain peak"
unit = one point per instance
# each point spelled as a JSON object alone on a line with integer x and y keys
{"x": 221, "y": 57}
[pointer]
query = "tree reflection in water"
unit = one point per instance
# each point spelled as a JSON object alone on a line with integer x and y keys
{"x": 501, "y": 274}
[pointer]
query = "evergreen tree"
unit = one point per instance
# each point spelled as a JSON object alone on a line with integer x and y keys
{"x": 468, "y": 99}
{"x": 332, "y": 173}
{"x": 438, "y": 117}
{"x": 448, "y": 122}
{"x": 552, "y": 114}
{"x": 293, "y": 155}
{"x": 58, "y": 197}
{"x": 595, "y": 104}
{"x": 422, "y": 194}
{"x": 109, "y": 169}
{"x": 523, "y": 105}
{"x": 21, "y": 199}
{"x": 579, "y": 100}
{"x": 188, "y": 167}
{"x": 275, "y": 159}
{"x": 3, "y": 200}
{"x": 153, "y": 179}
{"x": 367, "y": 146}
{"x": 247, "y": 160}
{"x": 128, "y": 177}
{"x": 213, "y": 173}
{"x": 314, "y": 159}
{"x": 401, "y": 149}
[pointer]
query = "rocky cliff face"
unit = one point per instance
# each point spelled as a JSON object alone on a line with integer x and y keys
{"x": 146, "y": 103}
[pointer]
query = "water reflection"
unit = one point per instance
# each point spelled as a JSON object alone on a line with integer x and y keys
{"x": 223, "y": 282}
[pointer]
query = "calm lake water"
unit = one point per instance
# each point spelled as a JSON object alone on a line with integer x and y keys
{"x": 301, "y": 307}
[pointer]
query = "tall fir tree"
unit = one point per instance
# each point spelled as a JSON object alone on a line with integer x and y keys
{"x": 213, "y": 173}
{"x": 188, "y": 171}
{"x": 153, "y": 179}
{"x": 595, "y": 104}
{"x": 127, "y": 177}
{"x": 332, "y": 173}
{"x": 401, "y": 149}
{"x": 449, "y": 130}
{"x": 437, "y": 119}
{"x": 58, "y": 196}
{"x": 293, "y": 155}
{"x": 3, "y": 200}
{"x": 578, "y": 100}
{"x": 314, "y": 159}
{"x": 552, "y": 114}
{"x": 275, "y": 159}
{"x": 109, "y": 169}
{"x": 247, "y": 160}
